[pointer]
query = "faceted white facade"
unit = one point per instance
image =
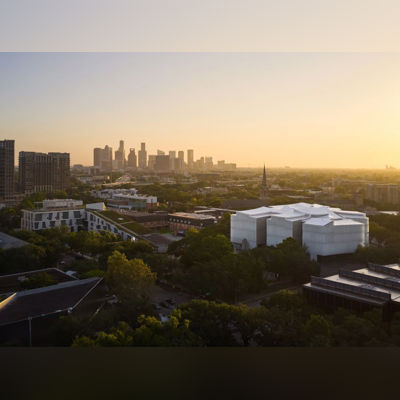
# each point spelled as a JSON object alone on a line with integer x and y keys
{"x": 322, "y": 229}
{"x": 249, "y": 226}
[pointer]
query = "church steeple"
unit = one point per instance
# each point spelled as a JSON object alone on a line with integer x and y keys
{"x": 264, "y": 190}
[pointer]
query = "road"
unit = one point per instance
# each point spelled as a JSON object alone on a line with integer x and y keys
{"x": 162, "y": 293}
{"x": 255, "y": 300}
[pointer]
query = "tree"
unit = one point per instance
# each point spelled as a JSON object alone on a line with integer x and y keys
{"x": 38, "y": 280}
{"x": 25, "y": 258}
{"x": 317, "y": 331}
{"x": 285, "y": 300}
{"x": 65, "y": 330}
{"x": 173, "y": 332}
{"x": 9, "y": 219}
{"x": 84, "y": 341}
{"x": 211, "y": 321}
{"x": 150, "y": 332}
{"x": 204, "y": 248}
{"x": 288, "y": 259}
{"x": 131, "y": 280}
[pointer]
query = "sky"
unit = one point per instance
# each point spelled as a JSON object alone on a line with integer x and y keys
{"x": 199, "y": 25}
{"x": 306, "y": 109}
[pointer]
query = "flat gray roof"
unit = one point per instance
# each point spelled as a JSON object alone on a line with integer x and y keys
{"x": 10, "y": 242}
{"x": 374, "y": 278}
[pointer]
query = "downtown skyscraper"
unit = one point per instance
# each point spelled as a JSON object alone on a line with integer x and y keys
{"x": 40, "y": 172}
{"x": 6, "y": 168}
{"x": 142, "y": 156}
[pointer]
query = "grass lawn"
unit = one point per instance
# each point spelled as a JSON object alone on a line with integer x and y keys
{"x": 135, "y": 227}
{"x": 125, "y": 221}
{"x": 115, "y": 216}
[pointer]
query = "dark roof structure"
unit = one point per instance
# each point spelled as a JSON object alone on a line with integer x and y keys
{"x": 375, "y": 285}
{"x": 44, "y": 301}
{"x": 12, "y": 283}
{"x": 161, "y": 241}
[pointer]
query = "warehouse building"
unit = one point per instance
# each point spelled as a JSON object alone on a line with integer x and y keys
{"x": 323, "y": 230}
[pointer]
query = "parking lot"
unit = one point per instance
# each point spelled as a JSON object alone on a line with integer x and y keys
{"x": 165, "y": 299}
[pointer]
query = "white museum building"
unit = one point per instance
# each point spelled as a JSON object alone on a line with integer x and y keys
{"x": 323, "y": 230}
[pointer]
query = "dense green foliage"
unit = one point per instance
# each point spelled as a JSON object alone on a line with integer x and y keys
{"x": 131, "y": 280}
{"x": 149, "y": 332}
{"x": 48, "y": 247}
{"x": 384, "y": 232}
{"x": 283, "y": 320}
{"x": 38, "y": 280}
{"x": 288, "y": 260}
{"x": 208, "y": 266}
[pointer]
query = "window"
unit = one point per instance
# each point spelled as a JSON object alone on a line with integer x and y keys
{"x": 65, "y": 214}
{"x": 77, "y": 214}
{"x": 38, "y": 217}
{"x": 52, "y": 224}
{"x": 50, "y": 216}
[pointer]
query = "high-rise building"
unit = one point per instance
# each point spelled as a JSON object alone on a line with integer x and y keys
{"x": 61, "y": 170}
{"x": 162, "y": 163}
{"x": 142, "y": 156}
{"x": 6, "y": 168}
{"x": 181, "y": 156}
{"x": 40, "y": 172}
{"x": 172, "y": 156}
{"x": 152, "y": 161}
{"x": 160, "y": 153}
{"x": 190, "y": 158}
{"x": 120, "y": 156}
{"x": 132, "y": 159}
{"x": 208, "y": 162}
{"x": 178, "y": 164}
{"x": 97, "y": 156}
{"x": 106, "y": 159}
{"x": 223, "y": 166}
{"x": 199, "y": 164}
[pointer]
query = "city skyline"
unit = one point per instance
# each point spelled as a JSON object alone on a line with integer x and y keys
{"x": 306, "y": 110}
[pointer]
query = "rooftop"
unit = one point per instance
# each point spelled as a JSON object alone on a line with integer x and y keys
{"x": 312, "y": 214}
{"x": 12, "y": 282}
{"x": 376, "y": 283}
{"x": 57, "y": 205}
{"x": 10, "y": 242}
{"x": 43, "y": 301}
{"x": 192, "y": 216}
{"x": 161, "y": 240}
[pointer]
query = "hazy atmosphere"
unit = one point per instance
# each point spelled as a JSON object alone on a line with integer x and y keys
{"x": 284, "y": 109}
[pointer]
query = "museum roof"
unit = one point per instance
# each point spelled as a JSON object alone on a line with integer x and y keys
{"x": 313, "y": 214}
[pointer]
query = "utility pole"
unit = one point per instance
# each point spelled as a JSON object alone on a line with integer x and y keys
{"x": 30, "y": 330}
